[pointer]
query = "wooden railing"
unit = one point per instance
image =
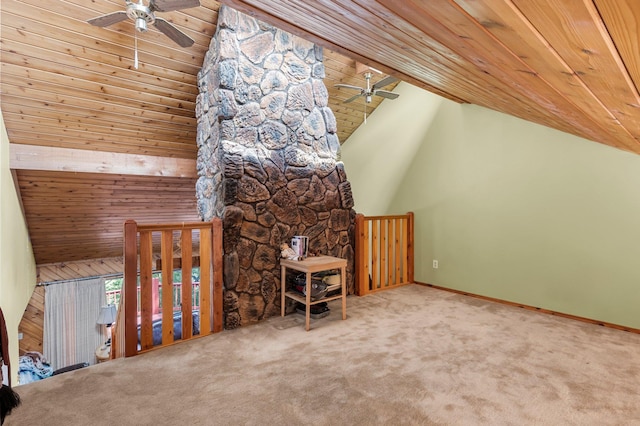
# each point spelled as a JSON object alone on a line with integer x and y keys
{"x": 384, "y": 252}
{"x": 138, "y": 263}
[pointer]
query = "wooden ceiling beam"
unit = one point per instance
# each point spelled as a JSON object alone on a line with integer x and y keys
{"x": 32, "y": 157}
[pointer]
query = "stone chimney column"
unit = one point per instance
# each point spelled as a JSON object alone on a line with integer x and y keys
{"x": 267, "y": 149}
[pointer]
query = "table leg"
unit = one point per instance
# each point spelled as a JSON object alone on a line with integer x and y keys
{"x": 283, "y": 288}
{"x": 343, "y": 275}
{"x": 308, "y": 307}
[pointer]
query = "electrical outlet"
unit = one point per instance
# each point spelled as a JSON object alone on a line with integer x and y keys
{"x": 435, "y": 264}
{"x": 20, "y": 336}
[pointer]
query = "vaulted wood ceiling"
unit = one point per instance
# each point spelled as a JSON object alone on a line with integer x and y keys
{"x": 71, "y": 89}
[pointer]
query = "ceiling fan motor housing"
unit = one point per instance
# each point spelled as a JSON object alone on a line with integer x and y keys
{"x": 141, "y": 15}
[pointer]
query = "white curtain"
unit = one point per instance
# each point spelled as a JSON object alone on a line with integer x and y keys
{"x": 71, "y": 309}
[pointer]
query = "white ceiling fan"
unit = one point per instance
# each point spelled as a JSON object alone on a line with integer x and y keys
{"x": 143, "y": 15}
{"x": 369, "y": 91}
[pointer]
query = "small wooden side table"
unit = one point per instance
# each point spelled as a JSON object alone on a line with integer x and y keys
{"x": 309, "y": 266}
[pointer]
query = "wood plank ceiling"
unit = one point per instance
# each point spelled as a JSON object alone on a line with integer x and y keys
{"x": 71, "y": 89}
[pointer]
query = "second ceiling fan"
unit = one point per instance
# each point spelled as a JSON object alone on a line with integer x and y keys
{"x": 370, "y": 90}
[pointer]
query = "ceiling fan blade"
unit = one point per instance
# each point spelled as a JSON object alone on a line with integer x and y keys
{"x": 348, "y": 86}
{"x": 169, "y": 5}
{"x": 173, "y": 33}
{"x": 108, "y": 19}
{"x": 353, "y": 98}
{"x": 385, "y": 81}
{"x": 386, "y": 94}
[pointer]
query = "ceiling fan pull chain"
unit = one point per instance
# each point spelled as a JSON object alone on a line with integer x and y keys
{"x": 365, "y": 113}
{"x": 135, "y": 52}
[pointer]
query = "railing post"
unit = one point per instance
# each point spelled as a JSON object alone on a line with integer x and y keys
{"x": 361, "y": 285}
{"x": 217, "y": 251}
{"x": 410, "y": 247}
{"x": 186, "y": 265}
{"x": 130, "y": 288}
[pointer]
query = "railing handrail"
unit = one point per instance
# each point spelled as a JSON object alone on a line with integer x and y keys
{"x": 178, "y": 226}
{"x": 396, "y": 216}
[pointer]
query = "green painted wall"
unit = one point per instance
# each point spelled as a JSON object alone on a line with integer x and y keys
{"x": 17, "y": 264}
{"x": 514, "y": 210}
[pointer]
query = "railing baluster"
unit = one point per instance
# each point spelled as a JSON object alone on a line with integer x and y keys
{"x": 205, "y": 281}
{"x": 130, "y": 288}
{"x": 383, "y": 253}
{"x": 146, "y": 290}
{"x": 375, "y": 265}
{"x": 187, "y": 259}
{"x": 398, "y": 261}
{"x": 166, "y": 249}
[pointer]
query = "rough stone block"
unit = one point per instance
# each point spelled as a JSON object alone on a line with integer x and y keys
{"x": 273, "y": 61}
{"x": 230, "y": 191}
{"x": 273, "y": 105}
{"x": 233, "y": 166}
{"x": 230, "y": 301}
{"x": 232, "y": 320}
{"x": 250, "y": 190}
{"x": 248, "y": 211}
{"x": 246, "y": 27}
{"x": 346, "y": 195}
{"x": 231, "y": 270}
{"x": 265, "y": 258}
{"x": 255, "y": 232}
{"x": 273, "y": 134}
{"x": 298, "y": 186}
{"x": 249, "y": 115}
{"x": 320, "y": 93}
{"x": 295, "y": 69}
{"x": 227, "y": 17}
{"x": 273, "y": 80}
{"x": 267, "y": 220}
{"x": 247, "y": 136}
{"x": 249, "y": 72}
{"x": 227, "y": 107}
{"x": 257, "y": 47}
{"x": 251, "y": 308}
{"x": 318, "y": 71}
{"x": 246, "y": 248}
{"x": 228, "y": 73}
{"x": 228, "y": 47}
{"x": 293, "y": 119}
{"x": 300, "y": 97}
{"x": 339, "y": 220}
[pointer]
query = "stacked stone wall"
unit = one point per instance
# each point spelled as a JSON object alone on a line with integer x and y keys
{"x": 267, "y": 148}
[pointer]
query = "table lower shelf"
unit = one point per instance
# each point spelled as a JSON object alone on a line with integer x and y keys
{"x": 302, "y": 298}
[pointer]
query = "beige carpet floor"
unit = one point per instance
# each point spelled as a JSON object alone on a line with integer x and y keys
{"x": 414, "y": 356}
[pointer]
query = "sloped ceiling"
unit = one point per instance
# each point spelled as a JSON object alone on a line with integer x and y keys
{"x": 95, "y": 141}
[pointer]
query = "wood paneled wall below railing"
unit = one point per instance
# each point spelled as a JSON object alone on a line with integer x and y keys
{"x": 138, "y": 267}
{"x": 384, "y": 252}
